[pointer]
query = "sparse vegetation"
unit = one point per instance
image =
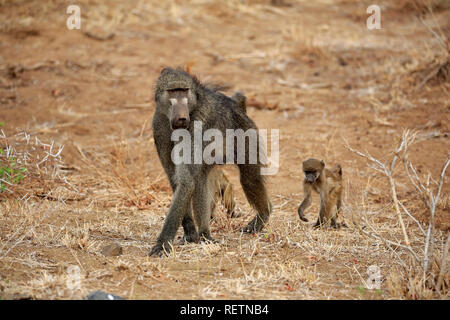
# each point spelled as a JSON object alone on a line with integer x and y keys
{"x": 10, "y": 171}
{"x": 423, "y": 271}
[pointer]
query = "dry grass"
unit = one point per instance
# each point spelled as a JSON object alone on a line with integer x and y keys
{"x": 33, "y": 168}
{"x": 288, "y": 260}
{"x": 424, "y": 271}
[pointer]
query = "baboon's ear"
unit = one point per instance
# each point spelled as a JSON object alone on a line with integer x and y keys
{"x": 339, "y": 169}
{"x": 165, "y": 70}
{"x": 322, "y": 163}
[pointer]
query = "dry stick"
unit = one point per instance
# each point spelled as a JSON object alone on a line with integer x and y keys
{"x": 388, "y": 173}
{"x": 428, "y": 255}
{"x": 388, "y": 243}
{"x": 14, "y": 245}
{"x": 397, "y": 209}
{"x": 130, "y": 296}
{"x": 50, "y": 198}
{"x": 124, "y": 176}
{"x": 443, "y": 270}
{"x": 143, "y": 128}
{"x": 429, "y": 76}
{"x": 427, "y": 196}
{"x": 439, "y": 38}
{"x": 403, "y": 146}
{"x": 412, "y": 218}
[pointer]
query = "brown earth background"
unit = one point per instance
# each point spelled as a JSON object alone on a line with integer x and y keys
{"x": 311, "y": 69}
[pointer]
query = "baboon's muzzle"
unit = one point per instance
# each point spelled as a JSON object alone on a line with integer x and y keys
{"x": 180, "y": 123}
{"x": 310, "y": 177}
{"x": 178, "y": 98}
{"x": 180, "y": 117}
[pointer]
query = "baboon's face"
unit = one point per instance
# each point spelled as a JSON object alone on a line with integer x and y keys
{"x": 179, "y": 108}
{"x": 311, "y": 176}
{"x": 176, "y": 97}
{"x": 312, "y": 169}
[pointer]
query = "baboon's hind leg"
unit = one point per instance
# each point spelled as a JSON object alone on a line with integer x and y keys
{"x": 190, "y": 232}
{"x": 253, "y": 184}
{"x": 327, "y": 213}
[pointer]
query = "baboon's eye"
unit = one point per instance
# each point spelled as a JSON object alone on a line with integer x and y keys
{"x": 178, "y": 90}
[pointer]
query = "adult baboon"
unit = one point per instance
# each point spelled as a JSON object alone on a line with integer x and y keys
{"x": 327, "y": 183}
{"x": 180, "y": 101}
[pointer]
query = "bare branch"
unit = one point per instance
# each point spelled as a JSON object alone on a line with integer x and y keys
{"x": 443, "y": 270}
{"x": 412, "y": 218}
{"x": 441, "y": 180}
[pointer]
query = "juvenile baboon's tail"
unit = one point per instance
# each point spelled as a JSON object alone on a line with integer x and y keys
{"x": 338, "y": 169}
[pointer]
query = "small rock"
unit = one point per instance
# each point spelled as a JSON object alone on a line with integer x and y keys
{"x": 99, "y": 34}
{"x": 21, "y": 296}
{"x": 342, "y": 61}
{"x": 100, "y": 295}
{"x": 114, "y": 249}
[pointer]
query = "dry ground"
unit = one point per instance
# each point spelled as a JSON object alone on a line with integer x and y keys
{"x": 311, "y": 69}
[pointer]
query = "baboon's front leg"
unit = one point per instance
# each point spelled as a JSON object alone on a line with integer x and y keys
{"x": 190, "y": 231}
{"x": 178, "y": 208}
{"x": 164, "y": 148}
{"x": 201, "y": 202}
{"x": 305, "y": 203}
{"x": 324, "y": 212}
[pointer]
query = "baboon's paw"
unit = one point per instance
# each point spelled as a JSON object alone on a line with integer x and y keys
{"x": 236, "y": 213}
{"x": 326, "y": 226}
{"x": 338, "y": 225}
{"x": 159, "y": 250}
{"x": 209, "y": 239}
{"x": 248, "y": 229}
{"x": 301, "y": 214}
{"x": 253, "y": 227}
{"x": 190, "y": 238}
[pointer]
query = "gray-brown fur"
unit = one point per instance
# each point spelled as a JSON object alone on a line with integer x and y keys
{"x": 218, "y": 181}
{"x": 240, "y": 98}
{"x": 327, "y": 183}
{"x": 189, "y": 181}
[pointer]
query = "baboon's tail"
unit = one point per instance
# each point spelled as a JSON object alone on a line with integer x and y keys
{"x": 240, "y": 98}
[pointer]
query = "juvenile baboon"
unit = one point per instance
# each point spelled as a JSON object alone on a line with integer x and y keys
{"x": 180, "y": 100}
{"x": 222, "y": 188}
{"x": 327, "y": 183}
